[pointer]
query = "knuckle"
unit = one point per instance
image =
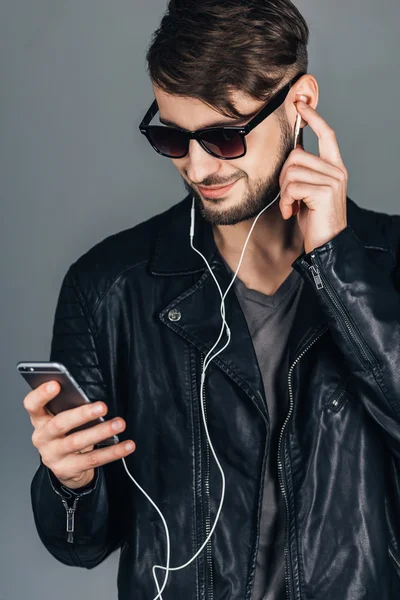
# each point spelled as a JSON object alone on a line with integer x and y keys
{"x": 338, "y": 173}
{"x": 42, "y": 393}
{"x": 46, "y": 460}
{"x": 28, "y": 404}
{"x": 93, "y": 459}
{"x": 87, "y": 413}
{"x": 74, "y": 442}
{"x": 35, "y": 438}
{"x": 57, "y": 424}
{"x": 291, "y": 188}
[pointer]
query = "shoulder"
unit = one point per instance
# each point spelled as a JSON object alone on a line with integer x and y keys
{"x": 121, "y": 254}
{"x": 375, "y": 228}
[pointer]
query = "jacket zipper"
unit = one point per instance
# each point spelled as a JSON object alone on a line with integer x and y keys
{"x": 70, "y": 518}
{"x": 394, "y": 558}
{"x": 336, "y": 404}
{"x": 281, "y": 473}
{"x": 207, "y": 488}
{"x": 70, "y": 510}
{"x": 322, "y": 283}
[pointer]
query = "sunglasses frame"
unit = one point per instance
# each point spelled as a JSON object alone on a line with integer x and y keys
{"x": 272, "y": 105}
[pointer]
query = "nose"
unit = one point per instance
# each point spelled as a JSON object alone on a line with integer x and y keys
{"x": 200, "y": 164}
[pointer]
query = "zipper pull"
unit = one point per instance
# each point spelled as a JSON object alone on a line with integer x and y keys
{"x": 316, "y": 276}
{"x": 70, "y": 519}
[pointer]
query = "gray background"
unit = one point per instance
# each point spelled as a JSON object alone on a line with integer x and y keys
{"x": 74, "y": 169}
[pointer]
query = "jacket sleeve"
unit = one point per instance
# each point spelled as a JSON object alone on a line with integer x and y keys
{"x": 361, "y": 302}
{"x": 362, "y": 307}
{"x": 78, "y": 527}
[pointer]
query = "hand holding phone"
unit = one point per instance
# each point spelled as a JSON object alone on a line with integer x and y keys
{"x": 66, "y": 440}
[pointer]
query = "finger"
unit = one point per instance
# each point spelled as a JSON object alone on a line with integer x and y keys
{"x": 327, "y": 143}
{"x": 304, "y": 175}
{"x": 75, "y": 464}
{"x": 88, "y": 449}
{"x": 308, "y": 193}
{"x": 36, "y": 400}
{"x": 80, "y": 440}
{"x": 302, "y": 158}
{"x": 61, "y": 424}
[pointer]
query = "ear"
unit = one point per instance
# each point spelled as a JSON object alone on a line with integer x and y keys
{"x": 306, "y": 89}
{"x": 306, "y": 86}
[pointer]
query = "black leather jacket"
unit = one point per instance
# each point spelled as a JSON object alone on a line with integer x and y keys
{"x": 135, "y": 317}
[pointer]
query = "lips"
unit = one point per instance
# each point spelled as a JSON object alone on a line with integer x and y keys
{"x": 217, "y": 192}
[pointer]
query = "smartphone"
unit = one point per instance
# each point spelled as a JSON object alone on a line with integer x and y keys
{"x": 71, "y": 395}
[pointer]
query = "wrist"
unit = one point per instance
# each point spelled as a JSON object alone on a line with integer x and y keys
{"x": 84, "y": 481}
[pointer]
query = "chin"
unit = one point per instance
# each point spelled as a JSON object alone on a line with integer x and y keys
{"x": 225, "y": 212}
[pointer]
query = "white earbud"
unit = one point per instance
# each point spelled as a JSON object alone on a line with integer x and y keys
{"x": 297, "y": 130}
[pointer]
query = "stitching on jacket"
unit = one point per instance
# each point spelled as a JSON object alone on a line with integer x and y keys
{"x": 103, "y": 295}
{"x": 93, "y": 330}
{"x": 386, "y": 393}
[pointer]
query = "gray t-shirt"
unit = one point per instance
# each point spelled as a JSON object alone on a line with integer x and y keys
{"x": 269, "y": 319}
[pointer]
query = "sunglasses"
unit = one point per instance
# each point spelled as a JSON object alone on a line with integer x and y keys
{"x": 226, "y": 143}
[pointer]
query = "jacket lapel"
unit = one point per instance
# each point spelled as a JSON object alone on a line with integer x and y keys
{"x": 200, "y": 324}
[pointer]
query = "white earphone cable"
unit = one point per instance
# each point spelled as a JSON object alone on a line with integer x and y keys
{"x": 207, "y": 361}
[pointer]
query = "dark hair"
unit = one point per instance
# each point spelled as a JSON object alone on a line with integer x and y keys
{"x": 206, "y": 49}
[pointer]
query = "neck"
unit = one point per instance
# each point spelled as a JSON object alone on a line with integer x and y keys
{"x": 273, "y": 246}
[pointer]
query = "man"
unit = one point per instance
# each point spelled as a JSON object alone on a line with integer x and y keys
{"x": 302, "y": 406}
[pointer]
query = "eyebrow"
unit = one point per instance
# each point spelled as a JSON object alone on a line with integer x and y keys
{"x": 231, "y": 123}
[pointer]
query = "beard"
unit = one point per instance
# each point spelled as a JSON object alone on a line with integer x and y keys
{"x": 259, "y": 194}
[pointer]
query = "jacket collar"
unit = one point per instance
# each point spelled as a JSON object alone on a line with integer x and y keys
{"x": 173, "y": 254}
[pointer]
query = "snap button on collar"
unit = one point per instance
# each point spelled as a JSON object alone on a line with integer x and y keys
{"x": 174, "y": 315}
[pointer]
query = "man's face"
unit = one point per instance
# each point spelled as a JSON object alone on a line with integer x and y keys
{"x": 256, "y": 174}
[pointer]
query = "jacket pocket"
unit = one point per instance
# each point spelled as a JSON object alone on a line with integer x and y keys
{"x": 339, "y": 397}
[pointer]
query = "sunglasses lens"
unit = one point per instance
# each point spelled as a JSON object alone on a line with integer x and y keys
{"x": 174, "y": 143}
{"x": 169, "y": 141}
{"x": 224, "y": 142}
